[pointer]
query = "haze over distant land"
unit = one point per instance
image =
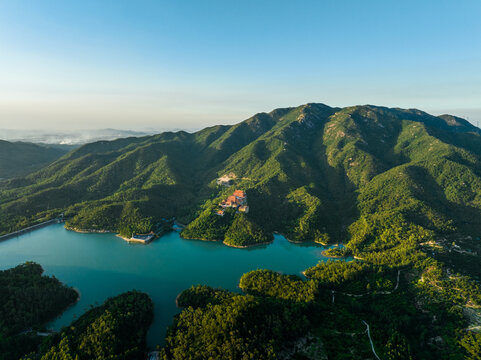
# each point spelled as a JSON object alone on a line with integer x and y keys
{"x": 83, "y": 136}
{"x": 164, "y": 64}
{"x": 72, "y": 137}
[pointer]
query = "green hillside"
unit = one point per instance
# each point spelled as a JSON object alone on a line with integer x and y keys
{"x": 313, "y": 172}
{"x": 29, "y": 299}
{"x": 116, "y": 329}
{"x": 20, "y": 158}
{"x": 401, "y": 189}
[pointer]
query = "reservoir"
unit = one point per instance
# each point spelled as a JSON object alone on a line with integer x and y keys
{"x": 102, "y": 265}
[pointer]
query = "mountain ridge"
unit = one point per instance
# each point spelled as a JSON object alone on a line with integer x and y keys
{"x": 401, "y": 189}
{"x": 19, "y": 159}
{"x": 337, "y": 151}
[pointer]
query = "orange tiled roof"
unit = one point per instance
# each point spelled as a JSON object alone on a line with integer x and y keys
{"x": 239, "y": 193}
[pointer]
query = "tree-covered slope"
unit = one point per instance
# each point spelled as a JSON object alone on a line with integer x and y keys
{"x": 412, "y": 312}
{"x": 400, "y": 188}
{"x": 217, "y": 324}
{"x": 20, "y": 158}
{"x": 114, "y": 330}
{"x": 312, "y": 172}
{"x": 28, "y": 299}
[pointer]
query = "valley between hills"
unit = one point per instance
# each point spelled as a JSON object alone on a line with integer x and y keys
{"x": 399, "y": 188}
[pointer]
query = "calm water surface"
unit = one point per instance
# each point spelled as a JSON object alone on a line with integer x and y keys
{"x": 103, "y": 265}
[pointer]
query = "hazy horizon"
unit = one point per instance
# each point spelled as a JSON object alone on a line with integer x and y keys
{"x": 160, "y": 64}
{"x": 472, "y": 115}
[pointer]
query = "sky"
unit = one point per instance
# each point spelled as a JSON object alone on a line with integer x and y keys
{"x": 189, "y": 64}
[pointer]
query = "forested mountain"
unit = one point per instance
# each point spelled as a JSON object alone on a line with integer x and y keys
{"x": 400, "y": 188}
{"x": 312, "y": 172}
{"x": 21, "y": 158}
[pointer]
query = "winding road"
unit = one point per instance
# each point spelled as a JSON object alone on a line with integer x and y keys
{"x": 370, "y": 340}
{"x": 368, "y": 293}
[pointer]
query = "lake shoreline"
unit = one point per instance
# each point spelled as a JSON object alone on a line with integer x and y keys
{"x": 300, "y": 242}
{"x": 229, "y": 245}
{"x": 129, "y": 240}
{"x": 28, "y": 229}
{"x": 248, "y": 246}
{"x": 101, "y": 266}
{"x": 87, "y": 231}
{"x": 72, "y": 304}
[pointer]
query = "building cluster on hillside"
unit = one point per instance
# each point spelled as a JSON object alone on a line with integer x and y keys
{"x": 238, "y": 200}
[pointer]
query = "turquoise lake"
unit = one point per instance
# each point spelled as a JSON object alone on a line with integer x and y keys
{"x": 103, "y": 265}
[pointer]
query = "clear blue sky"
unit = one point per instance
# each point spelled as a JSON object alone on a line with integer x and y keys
{"x": 159, "y": 64}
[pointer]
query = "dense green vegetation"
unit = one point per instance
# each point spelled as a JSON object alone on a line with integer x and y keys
{"x": 21, "y": 158}
{"x": 325, "y": 315}
{"x": 337, "y": 252}
{"x": 113, "y": 330}
{"x": 341, "y": 275}
{"x": 244, "y": 232}
{"x": 209, "y": 226}
{"x": 288, "y": 287}
{"x": 400, "y": 188}
{"x": 240, "y": 327}
{"x": 313, "y": 172}
{"x": 201, "y": 295}
{"x": 472, "y": 343}
{"x": 234, "y": 229}
{"x": 28, "y": 299}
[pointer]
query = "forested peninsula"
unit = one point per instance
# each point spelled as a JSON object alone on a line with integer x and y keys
{"x": 28, "y": 299}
